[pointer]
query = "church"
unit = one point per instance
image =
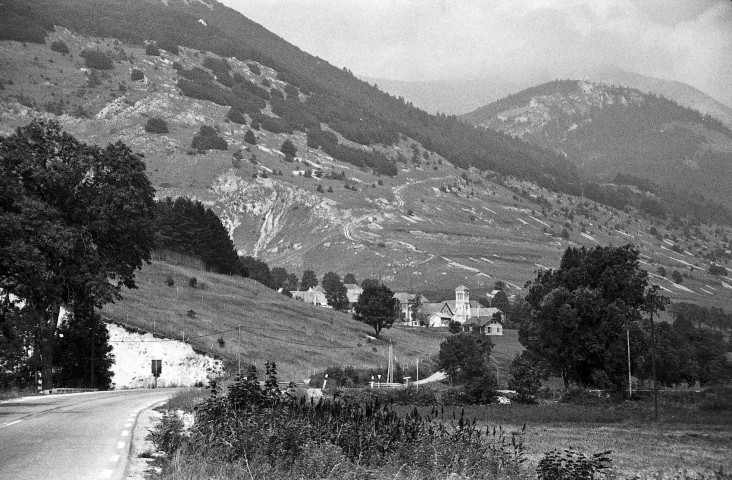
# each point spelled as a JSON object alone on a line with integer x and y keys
{"x": 469, "y": 313}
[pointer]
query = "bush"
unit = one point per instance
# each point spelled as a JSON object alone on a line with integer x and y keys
{"x": 169, "y": 281}
{"x": 571, "y": 465}
{"x": 97, "y": 60}
{"x": 250, "y": 138}
{"x": 168, "y": 46}
{"x": 254, "y": 68}
{"x": 717, "y": 270}
{"x": 137, "y": 75}
{"x": 292, "y": 91}
{"x": 60, "y": 47}
{"x": 208, "y": 139}
{"x": 289, "y": 149}
{"x": 524, "y": 377}
{"x": 156, "y": 125}
{"x": 282, "y": 435}
{"x": 152, "y": 50}
{"x": 236, "y": 116}
{"x": 192, "y": 282}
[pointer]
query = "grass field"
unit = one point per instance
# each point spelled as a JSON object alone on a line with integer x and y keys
{"x": 686, "y": 438}
{"x": 300, "y": 338}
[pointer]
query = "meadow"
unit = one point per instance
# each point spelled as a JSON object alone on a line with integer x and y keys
{"x": 303, "y": 338}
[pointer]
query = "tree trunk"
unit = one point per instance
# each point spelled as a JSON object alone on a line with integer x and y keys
{"x": 48, "y": 318}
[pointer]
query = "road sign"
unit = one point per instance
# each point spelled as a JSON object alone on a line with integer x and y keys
{"x": 157, "y": 367}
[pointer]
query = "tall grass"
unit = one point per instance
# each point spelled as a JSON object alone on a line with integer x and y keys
{"x": 257, "y": 431}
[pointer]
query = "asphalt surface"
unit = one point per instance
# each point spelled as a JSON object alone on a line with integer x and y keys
{"x": 74, "y": 436}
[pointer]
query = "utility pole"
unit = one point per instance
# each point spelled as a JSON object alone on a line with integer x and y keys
{"x": 630, "y": 385}
{"x": 238, "y": 350}
{"x": 92, "y": 380}
{"x": 653, "y": 360}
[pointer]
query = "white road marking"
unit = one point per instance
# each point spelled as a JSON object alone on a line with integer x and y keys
{"x": 128, "y": 425}
{"x": 125, "y": 433}
{"x": 107, "y": 473}
{"x": 120, "y": 444}
{"x": 11, "y": 423}
{"x": 114, "y": 458}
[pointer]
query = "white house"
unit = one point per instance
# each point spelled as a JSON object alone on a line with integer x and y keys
{"x": 313, "y": 295}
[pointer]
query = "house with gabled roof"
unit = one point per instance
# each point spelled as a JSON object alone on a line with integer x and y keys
{"x": 313, "y": 295}
{"x": 469, "y": 313}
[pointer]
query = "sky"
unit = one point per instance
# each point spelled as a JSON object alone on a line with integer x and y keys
{"x": 425, "y": 40}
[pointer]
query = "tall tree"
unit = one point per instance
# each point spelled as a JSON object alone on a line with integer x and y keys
{"x": 289, "y": 149}
{"x": 581, "y": 311}
{"x": 308, "y": 280}
{"x": 77, "y": 223}
{"x": 376, "y": 306}
{"x": 350, "y": 279}
{"x": 335, "y": 292}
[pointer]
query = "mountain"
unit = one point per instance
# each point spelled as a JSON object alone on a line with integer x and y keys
{"x": 608, "y": 130}
{"x": 375, "y": 187}
{"x": 679, "y": 92}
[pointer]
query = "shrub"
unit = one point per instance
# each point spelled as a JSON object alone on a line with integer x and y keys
{"x": 97, "y": 60}
{"x": 250, "y": 138}
{"x": 156, "y": 125}
{"x": 137, "y": 75}
{"x": 168, "y": 434}
{"x": 288, "y": 436}
{"x": 192, "y": 282}
{"x": 60, "y": 47}
{"x": 152, "y": 50}
{"x": 571, "y": 465}
{"x": 254, "y": 68}
{"x": 292, "y": 91}
{"x": 236, "y": 116}
{"x": 524, "y": 377}
{"x": 168, "y": 46}
{"x": 169, "y": 281}
{"x": 208, "y": 139}
{"x": 717, "y": 270}
{"x": 289, "y": 149}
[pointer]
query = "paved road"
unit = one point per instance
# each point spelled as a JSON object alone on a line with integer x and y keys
{"x": 75, "y": 436}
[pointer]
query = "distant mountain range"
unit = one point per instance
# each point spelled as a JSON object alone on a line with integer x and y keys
{"x": 608, "y": 130}
{"x": 457, "y": 97}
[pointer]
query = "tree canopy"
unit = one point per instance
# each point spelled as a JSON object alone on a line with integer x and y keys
{"x": 335, "y": 291}
{"x": 308, "y": 280}
{"x": 376, "y": 306}
{"x": 77, "y": 223}
{"x": 581, "y": 311}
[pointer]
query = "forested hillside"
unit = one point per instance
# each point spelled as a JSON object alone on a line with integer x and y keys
{"x": 353, "y": 108}
{"x": 622, "y": 136}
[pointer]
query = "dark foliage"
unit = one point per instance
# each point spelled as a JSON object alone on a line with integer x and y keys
{"x": 73, "y": 360}
{"x": 376, "y": 306}
{"x": 152, "y": 50}
{"x": 236, "y": 116}
{"x": 328, "y": 142}
{"x": 137, "y": 75}
{"x": 256, "y": 270}
{"x": 303, "y": 439}
{"x": 254, "y": 68}
{"x": 571, "y": 465}
{"x": 221, "y": 70}
{"x": 335, "y": 291}
{"x": 208, "y": 139}
{"x": 19, "y": 25}
{"x": 580, "y": 311}
{"x": 289, "y": 149}
{"x": 250, "y": 138}
{"x": 308, "y": 280}
{"x": 59, "y": 46}
{"x": 186, "y": 226}
{"x": 156, "y": 125}
{"x": 97, "y": 60}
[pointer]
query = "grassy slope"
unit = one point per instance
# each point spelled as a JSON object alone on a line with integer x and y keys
{"x": 297, "y": 336}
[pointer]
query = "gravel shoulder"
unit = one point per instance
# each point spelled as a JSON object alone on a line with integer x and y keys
{"x": 137, "y": 466}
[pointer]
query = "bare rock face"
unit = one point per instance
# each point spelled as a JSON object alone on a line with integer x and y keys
{"x": 133, "y": 353}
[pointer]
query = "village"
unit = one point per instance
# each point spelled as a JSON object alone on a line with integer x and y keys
{"x": 415, "y": 310}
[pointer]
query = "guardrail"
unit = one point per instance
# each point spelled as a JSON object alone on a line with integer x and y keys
{"x": 55, "y": 391}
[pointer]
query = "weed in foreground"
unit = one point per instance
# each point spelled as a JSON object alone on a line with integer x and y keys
{"x": 275, "y": 434}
